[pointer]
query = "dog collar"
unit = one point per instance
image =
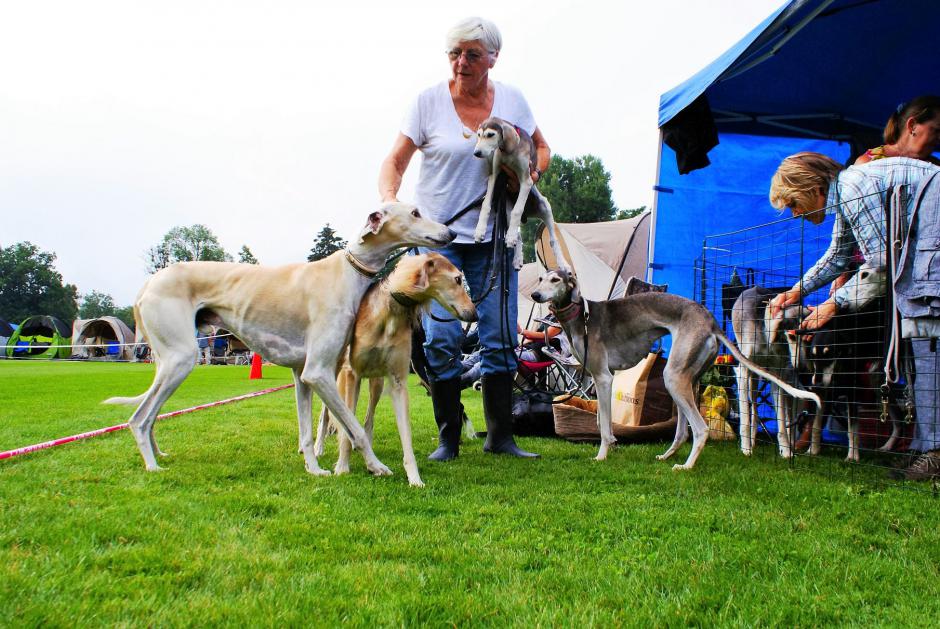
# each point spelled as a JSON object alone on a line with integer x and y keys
{"x": 361, "y": 269}
{"x": 403, "y": 299}
{"x": 567, "y": 313}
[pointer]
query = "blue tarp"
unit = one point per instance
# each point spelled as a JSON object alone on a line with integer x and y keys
{"x": 835, "y": 68}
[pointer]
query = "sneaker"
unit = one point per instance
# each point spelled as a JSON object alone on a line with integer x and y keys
{"x": 925, "y": 467}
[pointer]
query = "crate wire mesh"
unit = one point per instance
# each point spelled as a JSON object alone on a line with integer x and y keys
{"x": 844, "y": 364}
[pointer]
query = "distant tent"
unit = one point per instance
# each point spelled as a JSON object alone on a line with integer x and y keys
{"x": 105, "y": 338}
{"x": 228, "y": 349}
{"x": 40, "y": 336}
{"x": 6, "y": 331}
{"x": 604, "y": 255}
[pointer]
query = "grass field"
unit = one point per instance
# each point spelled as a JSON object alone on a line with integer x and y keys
{"x": 234, "y": 532}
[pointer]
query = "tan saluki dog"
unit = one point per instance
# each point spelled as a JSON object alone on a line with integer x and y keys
{"x": 381, "y": 345}
{"x": 298, "y": 315}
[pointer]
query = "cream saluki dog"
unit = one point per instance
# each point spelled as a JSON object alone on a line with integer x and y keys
{"x": 503, "y": 144}
{"x": 297, "y": 315}
{"x": 610, "y": 335}
{"x": 381, "y": 344}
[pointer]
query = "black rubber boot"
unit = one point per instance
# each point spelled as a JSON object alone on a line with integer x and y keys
{"x": 497, "y": 409}
{"x": 445, "y": 398}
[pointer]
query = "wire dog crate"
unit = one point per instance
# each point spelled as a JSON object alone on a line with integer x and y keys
{"x": 867, "y": 421}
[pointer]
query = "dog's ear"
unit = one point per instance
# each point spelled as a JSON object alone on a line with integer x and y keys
{"x": 572, "y": 282}
{"x": 373, "y": 225}
{"x": 508, "y": 137}
{"x": 423, "y": 276}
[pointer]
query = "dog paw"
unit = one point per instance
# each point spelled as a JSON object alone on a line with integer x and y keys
{"x": 377, "y": 468}
{"x": 416, "y": 482}
{"x": 341, "y": 468}
{"x": 512, "y": 241}
{"x": 678, "y": 467}
{"x": 479, "y": 235}
{"x": 786, "y": 453}
{"x": 318, "y": 471}
{"x": 814, "y": 450}
{"x": 746, "y": 451}
{"x": 154, "y": 468}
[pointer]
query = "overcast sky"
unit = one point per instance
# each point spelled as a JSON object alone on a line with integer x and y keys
{"x": 267, "y": 120}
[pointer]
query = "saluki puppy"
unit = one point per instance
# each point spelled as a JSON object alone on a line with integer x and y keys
{"x": 298, "y": 315}
{"x": 381, "y": 345}
{"x": 503, "y": 144}
{"x": 611, "y": 335}
{"x": 762, "y": 340}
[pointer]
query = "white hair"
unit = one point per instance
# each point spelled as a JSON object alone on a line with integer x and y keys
{"x": 475, "y": 29}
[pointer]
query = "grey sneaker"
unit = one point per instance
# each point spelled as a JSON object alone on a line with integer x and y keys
{"x": 925, "y": 467}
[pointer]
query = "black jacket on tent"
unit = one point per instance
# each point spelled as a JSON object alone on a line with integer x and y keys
{"x": 816, "y": 75}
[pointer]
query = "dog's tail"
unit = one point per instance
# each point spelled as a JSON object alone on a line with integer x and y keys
{"x": 126, "y": 400}
{"x": 793, "y": 391}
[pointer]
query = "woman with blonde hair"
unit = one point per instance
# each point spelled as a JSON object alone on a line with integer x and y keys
{"x": 813, "y": 185}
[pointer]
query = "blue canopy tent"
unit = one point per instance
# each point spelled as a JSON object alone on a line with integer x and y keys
{"x": 816, "y": 75}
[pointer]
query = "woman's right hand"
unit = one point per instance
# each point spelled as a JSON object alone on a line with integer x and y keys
{"x": 783, "y": 300}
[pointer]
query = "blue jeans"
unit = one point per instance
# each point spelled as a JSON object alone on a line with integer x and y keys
{"x": 926, "y": 396}
{"x": 497, "y": 329}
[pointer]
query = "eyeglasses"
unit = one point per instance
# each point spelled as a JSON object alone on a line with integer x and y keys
{"x": 472, "y": 56}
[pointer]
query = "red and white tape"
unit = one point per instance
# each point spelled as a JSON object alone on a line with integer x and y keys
{"x": 94, "y": 433}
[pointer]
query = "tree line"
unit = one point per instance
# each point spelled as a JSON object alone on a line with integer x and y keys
{"x": 578, "y": 189}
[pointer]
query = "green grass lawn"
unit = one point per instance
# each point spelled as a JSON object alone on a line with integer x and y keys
{"x": 234, "y": 532}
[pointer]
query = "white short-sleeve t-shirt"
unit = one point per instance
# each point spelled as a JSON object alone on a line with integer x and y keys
{"x": 451, "y": 178}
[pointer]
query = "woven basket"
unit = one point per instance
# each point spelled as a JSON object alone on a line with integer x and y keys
{"x": 580, "y": 426}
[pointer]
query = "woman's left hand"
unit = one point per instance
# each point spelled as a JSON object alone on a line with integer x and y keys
{"x": 512, "y": 180}
{"x": 819, "y": 317}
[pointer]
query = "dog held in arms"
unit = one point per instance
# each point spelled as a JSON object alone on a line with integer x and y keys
{"x": 381, "y": 345}
{"x": 503, "y": 144}
{"x": 611, "y": 335}
{"x": 298, "y": 315}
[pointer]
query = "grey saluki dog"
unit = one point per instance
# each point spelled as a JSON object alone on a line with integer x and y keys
{"x": 612, "y": 335}
{"x": 503, "y": 144}
{"x": 298, "y": 315}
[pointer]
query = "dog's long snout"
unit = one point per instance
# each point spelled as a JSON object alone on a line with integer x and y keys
{"x": 478, "y": 153}
{"x": 537, "y": 297}
{"x": 469, "y": 315}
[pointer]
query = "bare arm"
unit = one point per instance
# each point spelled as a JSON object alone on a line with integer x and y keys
{"x": 394, "y": 166}
{"x": 543, "y": 151}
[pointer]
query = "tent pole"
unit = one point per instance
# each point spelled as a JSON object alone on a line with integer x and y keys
{"x": 653, "y": 212}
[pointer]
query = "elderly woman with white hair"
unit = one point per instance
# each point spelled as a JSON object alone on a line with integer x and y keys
{"x": 442, "y": 124}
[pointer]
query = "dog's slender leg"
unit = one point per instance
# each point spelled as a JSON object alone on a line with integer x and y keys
{"x": 174, "y": 357}
{"x": 323, "y": 381}
{"x": 545, "y": 209}
{"x": 304, "y": 398}
{"x": 487, "y": 206}
{"x": 852, "y": 455}
{"x": 399, "y": 395}
{"x": 323, "y": 429}
{"x": 515, "y": 216}
{"x": 699, "y": 429}
{"x": 348, "y": 385}
{"x": 604, "y": 383}
{"x": 673, "y": 380}
{"x": 376, "y": 386}
{"x": 743, "y": 377}
{"x": 782, "y": 406}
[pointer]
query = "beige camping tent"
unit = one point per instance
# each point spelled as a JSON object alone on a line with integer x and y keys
{"x": 596, "y": 252}
{"x": 104, "y": 338}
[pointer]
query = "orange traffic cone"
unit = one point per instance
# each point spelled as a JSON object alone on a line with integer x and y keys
{"x": 255, "y": 367}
